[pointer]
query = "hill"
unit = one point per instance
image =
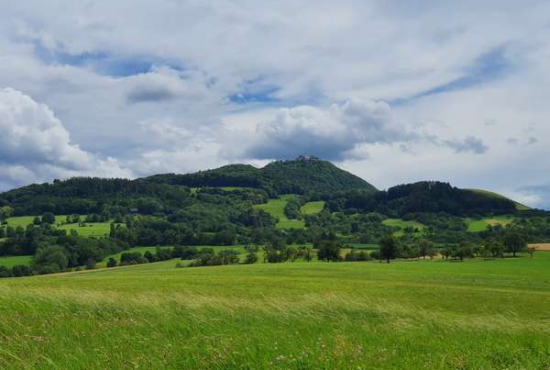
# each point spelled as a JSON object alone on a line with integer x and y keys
{"x": 519, "y": 206}
{"x": 305, "y": 174}
{"x": 423, "y": 197}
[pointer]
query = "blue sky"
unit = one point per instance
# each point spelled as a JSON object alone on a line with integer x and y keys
{"x": 394, "y": 92}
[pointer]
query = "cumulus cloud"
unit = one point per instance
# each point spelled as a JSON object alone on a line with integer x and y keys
{"x": 35, "y": 146}
{"x": 334, "y": 133}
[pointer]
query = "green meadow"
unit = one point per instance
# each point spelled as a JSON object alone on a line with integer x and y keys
{"x": 97, "y": 229}
{"x": 402, "y": 225}
{"x": 276, "y": 208}
{"x": 482, "y": 224}
{"x": 312, "y": 208}
{"x": 15, "y": 260}
{"x": 479, "y": 314}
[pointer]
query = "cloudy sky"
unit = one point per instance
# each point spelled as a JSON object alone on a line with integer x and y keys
{"x": 393, "y": 91}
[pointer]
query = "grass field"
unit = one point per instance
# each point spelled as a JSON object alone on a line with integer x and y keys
{"x": 15, "y": 260}
{"x": 402, "y": 224}
{"x": 23, "y": 221}
{"x": 98, "y": 229}
{"x": 405, "y": 315}
{"x": 276, "y": 208}
{"x": 312, "y": 208}
{"x": 475, "y": 226}
{"x": 142, "y": 250}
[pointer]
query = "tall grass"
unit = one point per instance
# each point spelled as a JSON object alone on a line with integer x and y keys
{"x": 406, "y": 315}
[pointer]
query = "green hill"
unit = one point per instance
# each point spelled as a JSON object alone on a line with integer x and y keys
{"x": 302, "y": 175}
{"x": 519, "y": 206}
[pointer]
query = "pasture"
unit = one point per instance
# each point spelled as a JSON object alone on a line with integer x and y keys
{"x": 276, "y": 208}
{"x": 312, "y": 208}
{"x": 402, "y": 225}
{"x": 97, "y": 229}
{"x": 406, "y": 315}
{"x": 9, "y": 262}
{"x": 475, "y": 226}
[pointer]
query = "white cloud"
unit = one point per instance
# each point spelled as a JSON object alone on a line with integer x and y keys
{"x": 332, "y": 133}
{"x": 34, "y": 145}
{"x": 149, "y": 84}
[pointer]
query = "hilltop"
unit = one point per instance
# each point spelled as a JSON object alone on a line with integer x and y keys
{"x": 302, "y": 175}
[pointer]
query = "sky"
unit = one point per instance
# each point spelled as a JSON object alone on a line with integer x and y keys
{"x": 393, "y": 91}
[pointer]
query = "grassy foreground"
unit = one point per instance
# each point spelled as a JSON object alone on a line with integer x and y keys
{"x": 406, "y": 315}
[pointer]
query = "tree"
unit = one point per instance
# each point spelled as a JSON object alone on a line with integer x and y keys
{"x": 90, "y": 264}
{"x": 112, "y": 262}
{"x": 514, "y": 242}
{"x": 5, "y": 272}
{"x": 21, "y": 270}
{"x": 389, "y": 248}
{"x": 49, "y": 260}
{"x": 5, "y": 213}
{"x": 306, "y": 253}
{"x": 228, "y": 257}
{"x": 48, "y": 218}
{"x": 252, "y": 255}
{"x": 276, "y": 251}
{"x": 494, "y": 248}
{"x": 425, "y": 248}
{"x": 37, "y": 221}
{"x": 150, "y": 256}
{"x": 328, "y": 250}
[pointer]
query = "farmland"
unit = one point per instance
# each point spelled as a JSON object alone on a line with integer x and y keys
{"x": 96, "y": 229}
{"x": 15, "y": 260}
{"x": 477, "y": 225}
{"x": 415, "y": 315}
{"x": 312, "y": 208}
{"x": 276, "y": 208}
{"x": 403, "y": 225}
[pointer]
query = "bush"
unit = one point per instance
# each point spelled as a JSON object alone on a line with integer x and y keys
{"x": 185, "y": 253}
{"x": 21, "y": 270}
{"x": 112, "y": 262}
{"x": 329, "y": 250}
{"x": 355, "y": 256}
{"x": 91, "y": 265}
{"x": 228, "y": 257}
{"x": 52, "y": 259}
{"x": 251, "y": 258}
{"x": 132, "y": 258}
{"x": 5, "y": 272}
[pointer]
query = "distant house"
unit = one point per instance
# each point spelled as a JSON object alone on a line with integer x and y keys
{"x": 134, "y": 210}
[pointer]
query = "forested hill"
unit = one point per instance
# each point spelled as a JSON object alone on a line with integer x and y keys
{"x": 422, "y": 197}
{"x": 303, "y": 175}
{"x": 231, "y": 191}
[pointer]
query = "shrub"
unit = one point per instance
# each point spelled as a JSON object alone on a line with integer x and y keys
{"x": 112, "y": 262}
{"x": 21, "y": 270}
